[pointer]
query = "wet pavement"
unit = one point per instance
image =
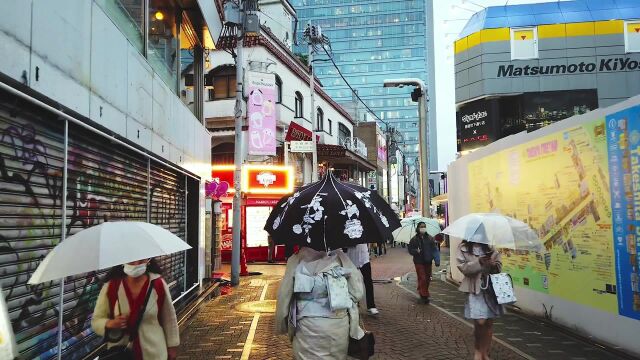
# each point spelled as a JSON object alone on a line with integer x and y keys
{"x": 240, "y": 325}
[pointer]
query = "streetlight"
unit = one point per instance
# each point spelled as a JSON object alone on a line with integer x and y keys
{"x": 419, "y": 96}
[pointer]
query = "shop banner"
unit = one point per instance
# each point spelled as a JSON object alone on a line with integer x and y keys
{"x": 261, "y": 114}
{"x": 559, "y": 185}
{"x": 623, "y": 135}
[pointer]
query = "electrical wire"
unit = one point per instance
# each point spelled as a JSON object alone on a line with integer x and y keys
{"x": 352, "y": 89}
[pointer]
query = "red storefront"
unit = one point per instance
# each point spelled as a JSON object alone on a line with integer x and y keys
{"x": 262, "y": 187}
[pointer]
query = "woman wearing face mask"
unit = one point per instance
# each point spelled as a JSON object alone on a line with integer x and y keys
{"x": 425, "y": 251}
{"x": 121, "y": 306}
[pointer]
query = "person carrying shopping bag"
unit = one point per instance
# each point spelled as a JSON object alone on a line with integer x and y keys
{"x": 477, "y": 261}
{"x": 425, "y": 252}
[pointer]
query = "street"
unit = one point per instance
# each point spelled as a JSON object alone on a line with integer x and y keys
{"x": 404, "y": 329}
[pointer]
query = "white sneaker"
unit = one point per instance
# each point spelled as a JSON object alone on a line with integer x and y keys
{"x": 373, "y": 311}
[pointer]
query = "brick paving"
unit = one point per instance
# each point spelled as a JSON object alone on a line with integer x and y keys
{"x": 404, "y": 329}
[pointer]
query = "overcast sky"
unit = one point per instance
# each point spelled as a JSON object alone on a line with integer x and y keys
{"x": 450, "y": 18}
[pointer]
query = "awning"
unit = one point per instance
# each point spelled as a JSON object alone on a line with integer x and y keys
{"x": 339, "y": 155}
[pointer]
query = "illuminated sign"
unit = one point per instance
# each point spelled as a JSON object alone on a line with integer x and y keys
{"x": 267, "y": 179}
{"x": 477, "y": 124}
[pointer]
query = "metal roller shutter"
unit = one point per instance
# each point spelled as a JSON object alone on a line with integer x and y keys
{"x": 106, "y": 182}
{"x": 168, "y": 210}
{"x": 31, "y": 167}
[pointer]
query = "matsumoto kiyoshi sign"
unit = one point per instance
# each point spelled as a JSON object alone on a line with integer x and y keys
{"x": 604, "y": 65}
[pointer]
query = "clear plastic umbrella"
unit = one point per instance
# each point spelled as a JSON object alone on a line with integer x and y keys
{"x": 408, "y": 226}
{"x": 495, "y": 230}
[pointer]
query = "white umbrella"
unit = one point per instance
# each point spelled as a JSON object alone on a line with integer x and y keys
{"x": 106, "y": 245}
{"x": 495, "y": 230}
{"x": 408, "y": 226}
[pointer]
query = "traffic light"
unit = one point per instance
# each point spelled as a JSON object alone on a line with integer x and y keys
{"x": 416, "y": 94}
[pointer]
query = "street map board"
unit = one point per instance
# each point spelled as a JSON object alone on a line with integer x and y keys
{"x": 623, "y": 135}
{"x": 559, "y": 184}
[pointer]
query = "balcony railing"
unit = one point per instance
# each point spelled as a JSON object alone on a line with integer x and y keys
{"x": 356, "y": 145}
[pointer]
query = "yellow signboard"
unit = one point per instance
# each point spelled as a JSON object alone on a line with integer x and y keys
{"x": 559, "y": 184}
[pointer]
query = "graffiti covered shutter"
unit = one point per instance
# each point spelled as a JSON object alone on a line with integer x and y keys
{"x": 31, "y": 165}
{"x": 168, "y": 210}
{"x": 106, "y": 182}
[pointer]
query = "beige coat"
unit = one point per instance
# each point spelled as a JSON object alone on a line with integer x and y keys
{"x": 469, "y": 264}
{"x": 285, "y": 292}
{"x": 158, "y": 329}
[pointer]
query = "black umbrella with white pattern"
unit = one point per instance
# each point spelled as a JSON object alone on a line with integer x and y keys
{"x": 331, "y": 214}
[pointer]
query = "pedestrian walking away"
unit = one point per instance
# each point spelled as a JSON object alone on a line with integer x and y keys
{"x": 317, "y": 304}
{"x": 359, "y": 255}
{"x": 135, "y": 315}
{"x": 425, "y": 252}
{"x": 476, "y": 261}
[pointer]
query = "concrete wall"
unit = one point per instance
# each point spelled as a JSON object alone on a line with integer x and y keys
{"x": 479, "y": 56}
{"x": 605, "y": 326}
{"x": 71, "y": 52}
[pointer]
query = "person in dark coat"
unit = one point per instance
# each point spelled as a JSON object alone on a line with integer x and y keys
{"x": 425, "y": 252}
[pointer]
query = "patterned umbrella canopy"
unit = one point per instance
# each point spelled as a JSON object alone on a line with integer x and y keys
{"x": 331, "y": 214}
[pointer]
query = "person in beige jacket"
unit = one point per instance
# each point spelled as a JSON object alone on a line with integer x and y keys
{"x": 120, "y": 301}
{"x": 476, "y": 261}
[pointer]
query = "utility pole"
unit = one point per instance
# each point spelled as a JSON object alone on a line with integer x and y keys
{"x": 419, "y": 94}
{"x": 236, "y": 245}
{"x": 314, "y": 36}
{"x": 389, "y": 133}
{"x": 424, "y": 153}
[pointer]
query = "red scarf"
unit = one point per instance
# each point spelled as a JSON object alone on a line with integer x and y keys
{"x": 135, "y": 306}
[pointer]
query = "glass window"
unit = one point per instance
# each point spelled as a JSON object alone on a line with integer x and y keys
{"x": 632, "y": 36}
{"x": 128, "y": 15}
{"x": 163, "y": 40}
{"x": 524, "y": 43}
{"x": 298, "y": 105}
{"x": 330, "y": 126}
{"x": 343, "y": 133}
{"x": 224, "y": 83}
{"x": 320, "y": 120}
{"x": 278, "y": 89}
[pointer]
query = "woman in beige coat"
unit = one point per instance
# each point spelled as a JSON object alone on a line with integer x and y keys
{"x": 476, "y": 261}
{"x": 119, "y": 304}
{"x": 304, "y": 310}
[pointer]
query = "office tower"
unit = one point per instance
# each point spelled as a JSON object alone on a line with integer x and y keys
{"x": 373, "y": 41}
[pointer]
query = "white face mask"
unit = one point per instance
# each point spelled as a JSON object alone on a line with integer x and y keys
{"x": 422, "y": 230}
{"x": 135, "y": 270}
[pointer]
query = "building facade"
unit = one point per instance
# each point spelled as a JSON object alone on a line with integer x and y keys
{"x": 372, "y": 41}
{"x": 91, "y": 112}
{"x": 269, "y": 56}
{"x": 522, "y": 67}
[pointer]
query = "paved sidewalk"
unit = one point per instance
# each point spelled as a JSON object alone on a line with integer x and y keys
{"x": 533, "y": 337}
{"x": 404, "y": 329}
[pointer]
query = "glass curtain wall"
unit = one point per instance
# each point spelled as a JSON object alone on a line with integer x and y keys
{"x": 372, "y": 40}
{"x": 153, "y": 23}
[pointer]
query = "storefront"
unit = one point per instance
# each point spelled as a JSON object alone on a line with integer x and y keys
{"x": 515, "y": 79}
{"x": 262, "y": 187}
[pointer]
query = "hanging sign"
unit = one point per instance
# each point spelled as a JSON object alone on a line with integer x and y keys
{"x": 301, "y": 146}
{"x": 261, "y": 114}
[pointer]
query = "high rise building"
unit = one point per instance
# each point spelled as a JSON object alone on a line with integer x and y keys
{"x": 371, "y": 41}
